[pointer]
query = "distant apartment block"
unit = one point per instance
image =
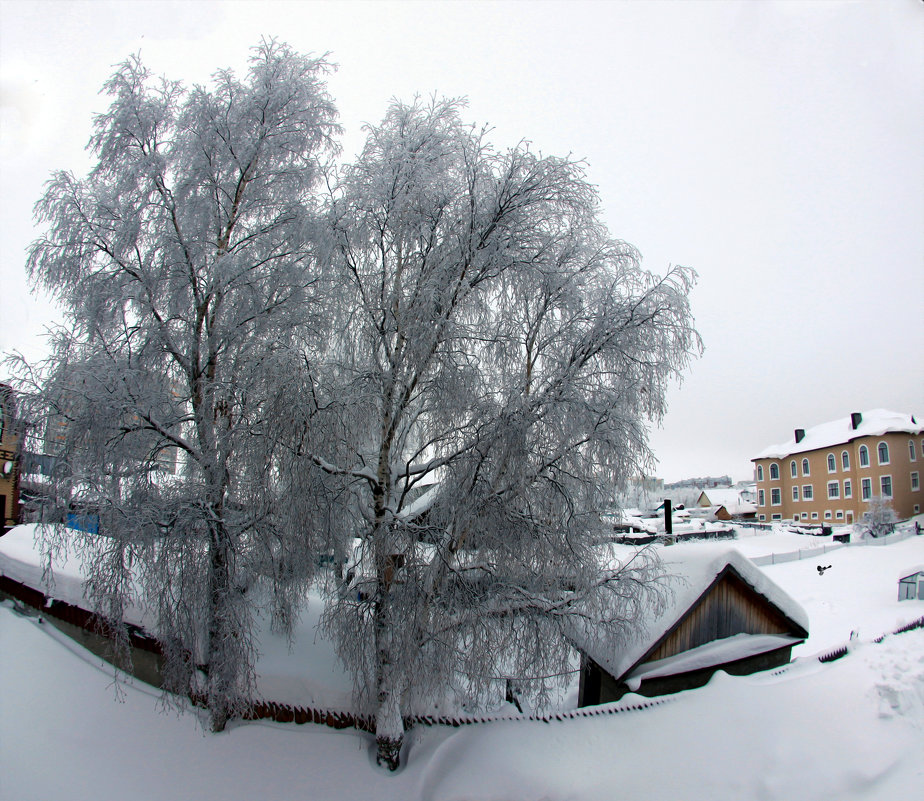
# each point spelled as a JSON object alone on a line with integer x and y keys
{"x": 827, "y": 474}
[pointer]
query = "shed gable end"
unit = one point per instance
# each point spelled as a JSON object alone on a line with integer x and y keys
{"x": 729, "y": 606}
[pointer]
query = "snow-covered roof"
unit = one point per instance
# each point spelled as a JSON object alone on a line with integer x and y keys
{"x": 721, "y": 496}
{"x": 717, "y": 652}
{"x": 692, "y": 569}
{"x": 875, "y": 423}
{"x": 910, "y": 572}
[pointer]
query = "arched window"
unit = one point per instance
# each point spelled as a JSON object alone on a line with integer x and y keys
{"x": 832, "y": 463}
{"x": 845, "y": 460}
{"x": 760, "y": 472}
{"x": 883, "y": 453}
{"x": 793, "y": 470}
{"x": 774, "y": 471}
{"x": 864, "y": 456}
{"x": 805, "y": 467}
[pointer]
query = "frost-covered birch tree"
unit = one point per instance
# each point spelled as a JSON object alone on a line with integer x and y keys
{"x": 183, "y": 262}
{"x": 494, "y": 362}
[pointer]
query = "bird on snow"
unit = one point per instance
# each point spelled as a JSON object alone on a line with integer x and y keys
{"x": 821, "y": 570}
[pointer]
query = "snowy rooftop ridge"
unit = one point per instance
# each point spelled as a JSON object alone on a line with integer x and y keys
{"x": 874, "y": 423}
{"x": 692, "y": 568}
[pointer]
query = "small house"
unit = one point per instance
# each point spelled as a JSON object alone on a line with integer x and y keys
{"x": 723, "y": 613}
{"x": 911, "y": 584}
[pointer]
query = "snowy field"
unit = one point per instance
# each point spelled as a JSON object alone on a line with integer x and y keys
{"x": 850, "y": 729}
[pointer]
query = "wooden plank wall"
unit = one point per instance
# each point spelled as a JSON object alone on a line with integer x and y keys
{"x": 729, "y": 608}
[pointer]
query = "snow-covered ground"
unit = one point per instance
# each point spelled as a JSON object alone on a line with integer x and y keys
{"x": 850, "y": 729}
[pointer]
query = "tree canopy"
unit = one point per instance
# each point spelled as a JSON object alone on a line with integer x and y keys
{"x": 442, "y": 363}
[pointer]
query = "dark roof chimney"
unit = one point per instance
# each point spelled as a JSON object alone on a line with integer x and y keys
{"x": 800, "y": 435}
{"x": 855, "y": 419}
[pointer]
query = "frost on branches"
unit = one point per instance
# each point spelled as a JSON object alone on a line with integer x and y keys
{"x": 879, "y": 518}
{"x": 183, "y": 262}
{"x": 493, "y": 362}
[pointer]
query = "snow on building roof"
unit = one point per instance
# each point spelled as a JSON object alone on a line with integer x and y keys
{"x": 909, "y": 572}
{"x": 721, "y": 496}
{"x": 691, "y": 570}
{"x": 874, "y": 423}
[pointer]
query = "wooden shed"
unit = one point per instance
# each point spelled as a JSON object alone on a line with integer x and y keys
{"x": 724, "y": 614}
{"x": 911, "y": 584}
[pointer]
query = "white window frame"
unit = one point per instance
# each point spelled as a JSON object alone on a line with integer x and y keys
{"x": 882, "y": 492}
{"x": 879, "y": 447}
{"x": 848, "y": 488}
{"x": 761, "y": 498}
{"x": 810, "y": 495}
{"x": 806, "y": 468}
{"x": 805, "y": 515}
{"x": 832, "y": 460}
{"x": 795, "y": 493}
{"x": 776, "y": 516}
{"x": 845, "y": 460}
{"x": 864, "y": 456}
{"x": 827, "y": 514}
{"x": 762, "y": 518}
{"x": 760, "y": 472}
{"x": 793, "y": 470}
{"x": 915, "y": 481}
{"x": 838, "y": 514}
{"x": 774, "y": 468}
{"x": 836, "y": 487}
{"x": 912, "y": 451}
{"x": 866, "y": 489}
{"x": 814, "y": 515}
{"x": 776, "y": 492}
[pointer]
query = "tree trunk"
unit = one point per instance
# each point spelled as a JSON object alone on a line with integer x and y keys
{"x": 389, "y": 724}
{"x": 221, "y": 666}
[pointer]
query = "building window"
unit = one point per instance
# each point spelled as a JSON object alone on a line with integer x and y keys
{"x": 793, "y": 470}
{"x": 864, "y": 456}
{"x": 760, "y": 498}
{"x": 848, "y": 488}
{"x": 917, "y": 508}
{"x": 774, "y": 471}
{"x": 760, "y": 472}
{"x": 805, "y": 515}
{"x": 805, "y": 467}
{"x": 795, "y": 517}
{"x": 839, "y": 514}
{"x": 763, "y": 517}
{"x": 866, "y": 489}
{"x": 883, "y": 453}
{"x": 776, "y": 517}
{"x": 845, "y": 460}
{"x": 775, "y": 497}
{"x": 807, "y": 493}
{"x": 832, "y": 463}
{"x": 827, "y": 514}
{"x": 915, "y": 482}
{"x": 885, "y": 486}
{"x": 795, "y": 494}
{"x": 814, "y": 515}
{"x": 834, "y": 489}
{"x": 911, "y": 453}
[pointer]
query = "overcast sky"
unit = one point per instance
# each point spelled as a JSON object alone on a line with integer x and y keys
{"x": 775, "y": 147}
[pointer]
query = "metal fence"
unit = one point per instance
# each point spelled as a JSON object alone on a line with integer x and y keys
{"x": 818, "y": 550}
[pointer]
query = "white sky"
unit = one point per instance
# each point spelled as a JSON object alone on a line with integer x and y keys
{"x": 776, "y": 147}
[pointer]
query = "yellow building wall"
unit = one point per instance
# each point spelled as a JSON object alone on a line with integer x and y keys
{"x": 848, "y": 506}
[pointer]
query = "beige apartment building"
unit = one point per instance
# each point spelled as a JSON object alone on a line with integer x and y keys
{"x": 9, "y": 459}
{"x": 827, "y": 474}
